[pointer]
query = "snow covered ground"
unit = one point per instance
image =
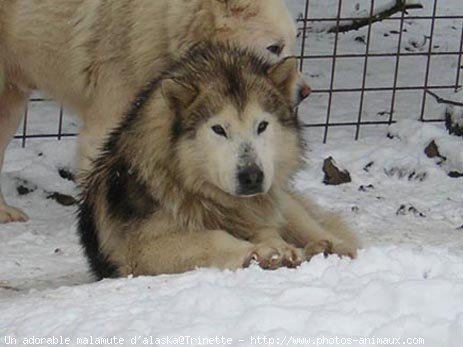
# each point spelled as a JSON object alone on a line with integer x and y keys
{"x": 407, "y": 282}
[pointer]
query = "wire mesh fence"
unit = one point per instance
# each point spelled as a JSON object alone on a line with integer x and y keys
{"x": 393, "y": 63}
{"x": 369, "y": 63}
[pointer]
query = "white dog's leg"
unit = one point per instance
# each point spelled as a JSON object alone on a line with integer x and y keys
{"x": 99, "y": 119}
{"x": 88, "y": 145}
{"x": 12, "y": 103}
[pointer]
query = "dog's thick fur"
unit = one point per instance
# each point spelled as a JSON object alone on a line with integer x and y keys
{"x": 93, "y": 55}
{"x": 166, "y": 195}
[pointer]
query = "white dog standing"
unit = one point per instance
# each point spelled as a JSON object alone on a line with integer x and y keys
{"x": 93, "y": 55}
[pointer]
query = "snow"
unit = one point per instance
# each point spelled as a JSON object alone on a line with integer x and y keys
{"x": 394, "y": 173}
{"x": 407, "y": 282}
{"x": 387, "y": 292}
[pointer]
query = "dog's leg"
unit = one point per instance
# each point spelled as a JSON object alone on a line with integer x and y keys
{"x": 178, "y": 252}
{"x": 315, "y": 230}
{"x": 12, "y": 104}
{"x": 96, "y": 127}
{"x": 99, "y": 118}
{"x": 93, "y": 135}
{"x": 90, "y": 141}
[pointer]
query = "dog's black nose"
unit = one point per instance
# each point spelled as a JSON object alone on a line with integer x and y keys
{"x": 304, "y": 92}
{"x": 251, "y": 179}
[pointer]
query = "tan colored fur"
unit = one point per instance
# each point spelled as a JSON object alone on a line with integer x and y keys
{"x": 92, "y": 55}
{"x": 2, "y": 79}
{"x": 197, "y": 220}
{"x": 15, "y": 99}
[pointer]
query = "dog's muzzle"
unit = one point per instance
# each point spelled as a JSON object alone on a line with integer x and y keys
{"x": 303, "y": 92}
{"x": 250, "y": 180}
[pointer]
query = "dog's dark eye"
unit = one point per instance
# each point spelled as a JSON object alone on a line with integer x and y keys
{"x": 262, "y": 127}
{"x": 219, "y": 130}
{"x": 275, "y": 49}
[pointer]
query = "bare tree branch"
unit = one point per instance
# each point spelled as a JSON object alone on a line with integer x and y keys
{"x": 355, "y": 24}
{"x": 399, "y": 6}
{"x": 441, "y": 100}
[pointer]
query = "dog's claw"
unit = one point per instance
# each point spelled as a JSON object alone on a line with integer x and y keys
{"x": 327, "y": 248}
{"x": 275, "y": 256}
{"x": 323, "y": 246}
{"x": 10, "y": 214}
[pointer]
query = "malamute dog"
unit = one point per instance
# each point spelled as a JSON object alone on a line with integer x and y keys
{"x": 197, "y": 174}
{"x": 93, "y": 55}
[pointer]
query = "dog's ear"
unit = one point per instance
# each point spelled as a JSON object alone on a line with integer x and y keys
{"x": 284, "y": 76}
{"x": 177, "y": 94}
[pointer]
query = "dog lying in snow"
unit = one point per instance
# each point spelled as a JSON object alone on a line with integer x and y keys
{"x": 198, "y": 174}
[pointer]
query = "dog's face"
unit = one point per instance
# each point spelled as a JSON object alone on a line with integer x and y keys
{"x": 239, "y": 136}
{"x": 239, "y": 149}
{"x": 265, "y": 26}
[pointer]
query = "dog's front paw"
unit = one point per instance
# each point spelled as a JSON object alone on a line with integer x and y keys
{"x": 238, "y": 258}
{"x": 272, "y": 255}
{"x": 328, "y": 247}
{"x": 344, "y": 249}
{"x": 10, "y": 214}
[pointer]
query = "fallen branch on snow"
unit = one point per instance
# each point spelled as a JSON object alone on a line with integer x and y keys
{"x": 441, "y": 100}
{"x": 385, "y": 12}
{"x": 399, "y": 6}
